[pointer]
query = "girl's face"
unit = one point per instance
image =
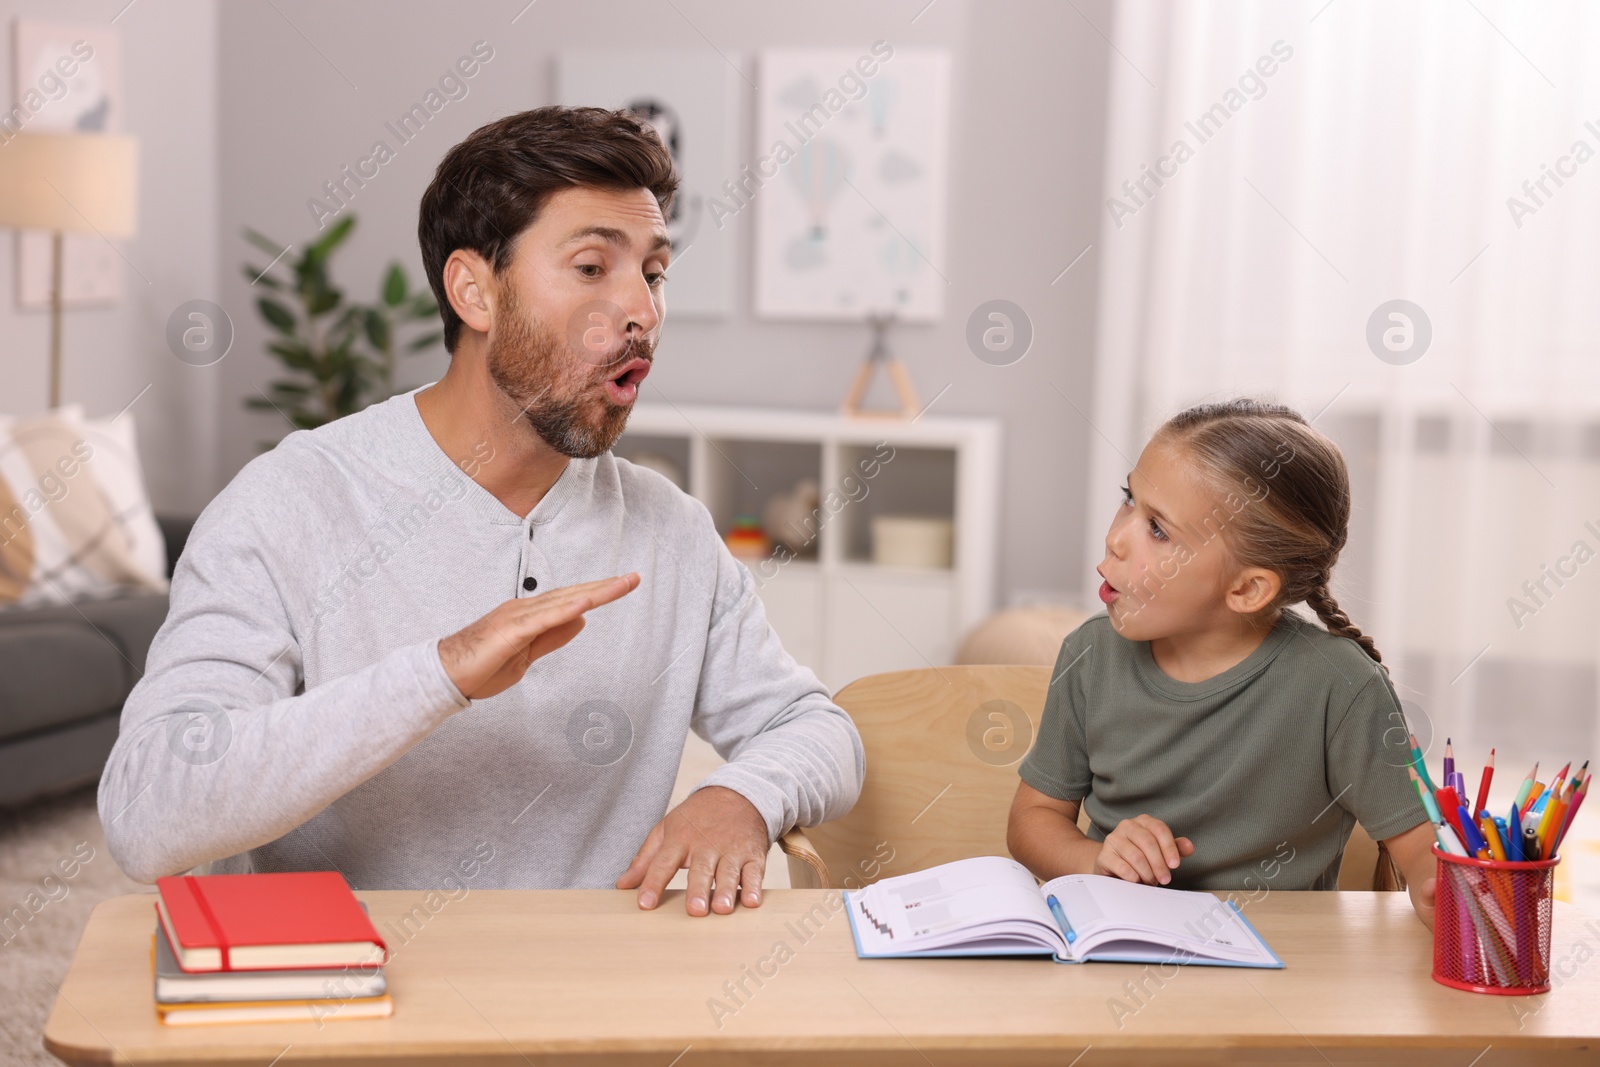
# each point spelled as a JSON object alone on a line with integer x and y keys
{"x": 1167, "y": 571}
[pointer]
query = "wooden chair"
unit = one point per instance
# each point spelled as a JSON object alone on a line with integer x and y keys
{"x": 1368, "y": 865}
{"x": 942, "y": 749}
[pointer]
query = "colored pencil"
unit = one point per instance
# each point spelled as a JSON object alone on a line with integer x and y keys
{"x": 1533, "y": 798}
{"x": 1483, "y": 787}
{"x": 1421, "y": 764}
{"x": 1577, "y": 801}
{"x": 1428, "y": 804}
{"x": 1527, "y": 785}
{"x": 1553, "y": 790}
{"x": 1545, "y": 835}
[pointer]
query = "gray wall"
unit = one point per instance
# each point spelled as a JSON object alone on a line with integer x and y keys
{"x": 109, "y": 355}
{"x": 304, "y": 87}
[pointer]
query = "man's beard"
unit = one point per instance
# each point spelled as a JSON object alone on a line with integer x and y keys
{"x": 531, "y": 364}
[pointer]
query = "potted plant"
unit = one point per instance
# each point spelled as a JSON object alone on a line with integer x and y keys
{"x": 340, "y": 355}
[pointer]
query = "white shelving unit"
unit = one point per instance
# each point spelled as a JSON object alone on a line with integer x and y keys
{"x": 840, "y": 613}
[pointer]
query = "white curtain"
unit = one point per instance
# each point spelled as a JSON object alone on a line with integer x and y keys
{"x": 1375, "y": 162}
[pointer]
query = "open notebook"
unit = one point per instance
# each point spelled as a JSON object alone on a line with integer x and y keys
{"x": 991, "y": 906}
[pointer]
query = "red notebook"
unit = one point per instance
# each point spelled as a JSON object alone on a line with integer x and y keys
{"x": 258, "y": 922}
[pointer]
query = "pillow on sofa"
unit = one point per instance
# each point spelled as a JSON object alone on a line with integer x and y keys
{"x": 75, "y": 522}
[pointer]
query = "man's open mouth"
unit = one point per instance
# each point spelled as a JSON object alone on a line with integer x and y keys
{"x": 623, "y": 385}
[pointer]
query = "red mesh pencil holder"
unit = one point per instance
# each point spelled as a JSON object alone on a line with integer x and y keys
{"x": 1491, "y": 924}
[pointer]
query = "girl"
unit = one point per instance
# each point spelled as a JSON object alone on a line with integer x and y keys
{"x": 1217, "y": 739}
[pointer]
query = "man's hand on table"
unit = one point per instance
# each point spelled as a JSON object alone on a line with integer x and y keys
{"x": 720, "y": 837}
{"x": 492, "y": 654}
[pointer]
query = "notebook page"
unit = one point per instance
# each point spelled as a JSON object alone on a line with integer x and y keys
{"x": 935, "y": 906}
{"x": 1193, "y": 920}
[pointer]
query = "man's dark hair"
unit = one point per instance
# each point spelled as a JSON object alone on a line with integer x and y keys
{"x": 492, "y": 186}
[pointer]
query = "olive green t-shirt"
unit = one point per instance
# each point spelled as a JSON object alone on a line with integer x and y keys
{"x": 1266, "y": 767}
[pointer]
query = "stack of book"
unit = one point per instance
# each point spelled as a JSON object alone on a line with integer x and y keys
{"x": 232, "y": 948}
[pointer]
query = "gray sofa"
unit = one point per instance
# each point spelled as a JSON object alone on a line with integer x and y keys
{"x": 64, "y": 673}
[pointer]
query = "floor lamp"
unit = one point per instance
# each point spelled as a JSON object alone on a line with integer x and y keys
{"x": 66, "y": 183}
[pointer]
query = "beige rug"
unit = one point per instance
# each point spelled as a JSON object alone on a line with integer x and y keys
{"x": 48, "y": 911}
{"x": 45, "y": 911}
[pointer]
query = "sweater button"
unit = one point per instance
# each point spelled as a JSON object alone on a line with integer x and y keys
{"x": 530, "y": 584}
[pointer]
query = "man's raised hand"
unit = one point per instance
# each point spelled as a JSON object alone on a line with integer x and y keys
{"x": 491, "y": 655}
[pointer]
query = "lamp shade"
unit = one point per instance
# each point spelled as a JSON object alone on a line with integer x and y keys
{"x": 70, "y": 181}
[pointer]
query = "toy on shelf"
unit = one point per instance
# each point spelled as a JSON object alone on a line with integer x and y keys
{"x": 793, "y": 518}
{"x": 747, "y": 540}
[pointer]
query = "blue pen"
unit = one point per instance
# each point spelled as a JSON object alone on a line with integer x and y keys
{"x": 1474, "y": 842}
{"x": 1500, "y": 828}
{"x": 1514, "y": 836}
{"x": 1061, "y": 917}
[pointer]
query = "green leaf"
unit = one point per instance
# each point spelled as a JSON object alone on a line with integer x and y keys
{"x": 423, "y": 305}
{"x": 338, "y": 361}
{"x": 310, "y": 273}
{"x": 324, "y": 245}
{"x": 348, "y": 399}
{"x": 367, "y": 370}
{"x": 345, "y": 330}
{"x": 394, "y": 286}
{"x": 350, "y": 319}
{"x": 263, "y": 242}
{"x": 378, "y": 330}
{"x": 427, "y": 341}
{"x": 258, "y": 274}
{"x": 276, "y": 314}
{"x": 294, "y": 354}
{"x": 322, "y": 301}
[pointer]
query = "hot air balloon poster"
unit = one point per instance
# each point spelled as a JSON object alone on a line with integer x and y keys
{"x": 848, "y": 182}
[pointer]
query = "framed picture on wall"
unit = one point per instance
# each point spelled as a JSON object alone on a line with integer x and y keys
{"x": 67, "y": 78}
{"x": 693, "y": 103}
{"x": 850, "y": 182}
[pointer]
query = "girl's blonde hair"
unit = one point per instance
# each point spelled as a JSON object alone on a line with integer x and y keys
{"x": 1297, "y": 526}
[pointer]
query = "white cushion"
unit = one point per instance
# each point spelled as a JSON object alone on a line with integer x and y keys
{"x": 75, "y": 522}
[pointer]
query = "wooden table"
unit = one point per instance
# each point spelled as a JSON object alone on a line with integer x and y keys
{"x": 584, "y": 976}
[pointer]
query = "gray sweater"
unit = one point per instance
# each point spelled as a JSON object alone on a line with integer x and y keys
{"x": 294, "y": 713}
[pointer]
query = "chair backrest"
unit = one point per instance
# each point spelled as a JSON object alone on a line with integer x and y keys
{"x": 1367, "y": 866}
{"x": 942, "y": 749}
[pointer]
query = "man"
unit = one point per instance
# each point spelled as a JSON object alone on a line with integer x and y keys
{"x": 455, "y": 619}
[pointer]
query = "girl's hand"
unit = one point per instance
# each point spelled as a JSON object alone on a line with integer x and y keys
{"x": 1142, "y": 849}
{"x": 1412, "y": 852}
{"x": 1422, "y": 901}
